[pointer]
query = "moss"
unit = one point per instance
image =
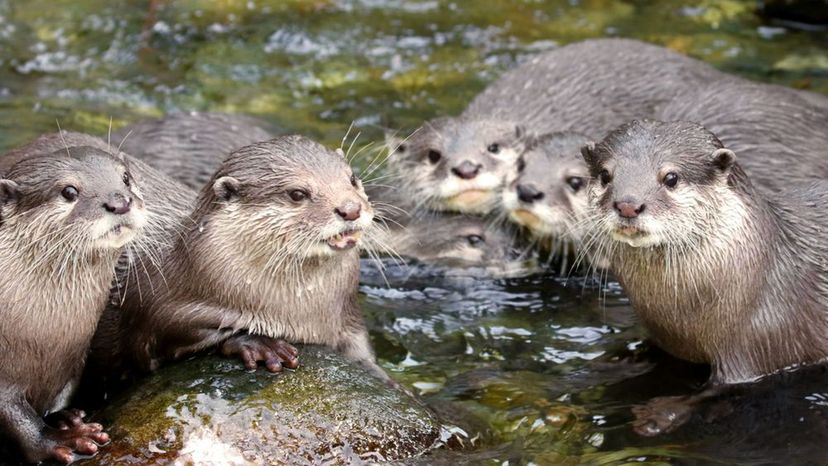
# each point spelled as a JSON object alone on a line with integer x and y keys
{"x": 326, "y": 407}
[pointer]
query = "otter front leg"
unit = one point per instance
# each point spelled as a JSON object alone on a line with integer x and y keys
{"x": 70, "y": 441}
{"x": 253, "y": 349}
{"x": 663, "y": 415}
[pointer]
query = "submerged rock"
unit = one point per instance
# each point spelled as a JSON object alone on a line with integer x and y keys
{"x": 209, "y": 410}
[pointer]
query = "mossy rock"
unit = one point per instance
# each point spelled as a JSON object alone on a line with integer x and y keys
{"x": 210, "y": 410}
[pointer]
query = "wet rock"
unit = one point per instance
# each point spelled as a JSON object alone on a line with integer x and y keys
{"x": 209, "y": 410}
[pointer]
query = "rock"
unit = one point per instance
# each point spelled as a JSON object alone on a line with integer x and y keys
{"x": 209, "y": 410}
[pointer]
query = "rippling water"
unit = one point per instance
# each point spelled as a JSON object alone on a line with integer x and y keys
{"x": 545, "y": 368}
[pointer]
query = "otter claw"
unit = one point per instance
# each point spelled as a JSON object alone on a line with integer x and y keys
{"x": 74, "y": 440}
{"x": 253, "y": 349}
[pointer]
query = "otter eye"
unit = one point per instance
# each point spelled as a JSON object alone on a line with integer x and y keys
{"x": 126, "y": 179}
{"x": 353, "y": 180}
{"x": 605, "y": 177}
{"x": 298, "y": 195}
{"x": 434, "y": 156}
{"x": 401, "y": 148}
{"x": 521, "y": 164}
{"x": 494, "y": 148}
{"x": 670, "y": 180}
{"x": 575, "y": 182}
{"x": 475, "y": 240}
{"x": 70, "y": 193}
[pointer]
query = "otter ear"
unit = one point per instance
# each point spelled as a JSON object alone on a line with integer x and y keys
{"x": 8, "y": 191}
{"x": 589, "y": 155}
{"x": 723, "y": 159}
{"x": 520, "y": 131}
{"x": 227, "y": 188}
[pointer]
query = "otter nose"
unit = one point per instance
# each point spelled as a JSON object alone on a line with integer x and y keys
{"x": 529, "y": 193}
{"x": 349, "y": 211}
{"x": 118, "y": 204}
{"x": 467, "y": 170}
{"x": 629, "y": 209}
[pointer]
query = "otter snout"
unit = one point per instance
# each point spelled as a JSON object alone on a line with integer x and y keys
{"x": 118, "y": 204}
{"x": 628, "y": 208}
{"x": 349, "y": 211}
{"x": 528, "y": 193}
{"x": 467, "y": 170}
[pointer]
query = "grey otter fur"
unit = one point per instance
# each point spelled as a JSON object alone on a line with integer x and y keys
{"x": 67, "y": 209}
{"x": 775, "y": 129}
{"x": 264, "y": 251}
{"x": 589, "y": 87}
{"x": 719, "y": 272}
{"x": 190, "y": 146}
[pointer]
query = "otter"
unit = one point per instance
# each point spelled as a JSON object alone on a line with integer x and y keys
{"x": 546, "y": 194}
{"x": 189, "y": 147}
{"x": 590, "y": 87}
{"x": 267, "y": 250}
{"x": 457, "y": 241}
{"x": 719, "y": 271}
{"x": 457, "y": 164}
{"x": 65, "y": 215}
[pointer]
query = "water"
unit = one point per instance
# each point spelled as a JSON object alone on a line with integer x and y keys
{"x": 545, "y": 368}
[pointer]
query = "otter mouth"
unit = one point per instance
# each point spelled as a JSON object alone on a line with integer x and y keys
{"x": 470, "y": 198}
{"x": 345, "y": 240}
{"x": 628, "y": 232}
{"x": 526, "y": 218}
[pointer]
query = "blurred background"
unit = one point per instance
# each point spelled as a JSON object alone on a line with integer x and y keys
{"x": 315, "y": 66}
{"x": 545, "y": 367}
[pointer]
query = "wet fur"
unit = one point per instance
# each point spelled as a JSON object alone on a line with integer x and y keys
{"x": 219, "y": 263}
{"x": 56, "y": 276}
{"x": 190, "y": 147}
{"x": 738, "y": 279}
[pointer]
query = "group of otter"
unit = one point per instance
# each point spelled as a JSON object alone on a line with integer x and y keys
{"x": 200, "y": 231}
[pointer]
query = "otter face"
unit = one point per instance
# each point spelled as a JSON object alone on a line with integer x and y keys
{"x": 458, "y": 164}
{"x": 458, "y": 240}
{"x": 547, "y": 193}
{"x": 293, "y": 197}
{"x": 85, "y": 197}
{"x": 658, "y": 184}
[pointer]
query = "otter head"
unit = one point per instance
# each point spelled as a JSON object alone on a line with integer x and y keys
{"x": 661, "y": 184}
{"x": 547, "y": 193}
{"x": 289, "y": 199}
{"x": 458, "y": 164}
{"x": 78, "y": 197}
{"x": 459, "y": 240}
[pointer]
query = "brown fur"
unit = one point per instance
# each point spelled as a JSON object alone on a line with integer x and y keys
{"x": 242, "y": 257}
{"x": 58, "y": 260}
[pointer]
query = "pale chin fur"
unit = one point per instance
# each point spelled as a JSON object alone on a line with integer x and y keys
{"x": 109, "y": 239}
{"x": 487, "y": 184}
{"x": 550, "y": 220}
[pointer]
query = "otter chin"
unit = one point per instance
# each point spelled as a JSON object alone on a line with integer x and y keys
{"x": 634, "y": 236}
{"x": 472, "y": 201}
{"x": 527, "y": 219}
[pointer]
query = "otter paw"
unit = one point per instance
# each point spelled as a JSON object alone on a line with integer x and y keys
{"x": 661, "y": 415}
{"x": 71, "y": 443}
{"x": 253, "y": 349}
{"x": 65, "y": 418}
